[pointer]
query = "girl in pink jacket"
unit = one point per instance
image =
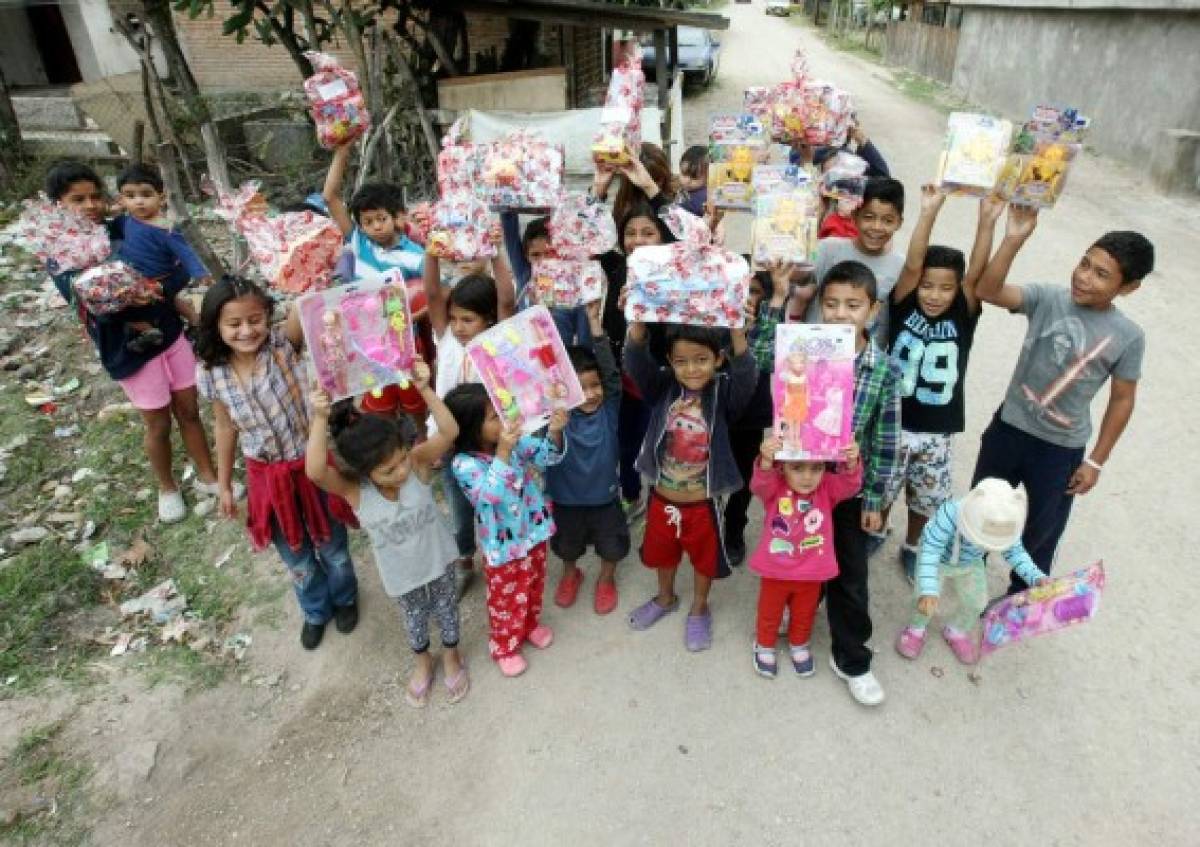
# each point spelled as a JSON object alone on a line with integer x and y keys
{"x": 795, "y": 551}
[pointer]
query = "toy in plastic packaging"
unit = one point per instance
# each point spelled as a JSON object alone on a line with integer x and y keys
{"x": 778, "y": 179}
{"x": 1043, "y": 151}
{"x": 730, "y": 183}
{"x": 736, "y": 130}
{"x": 579, "y": 229}
{"x": 845, "y": 180}
{"x": 359, "y": 336}
{"x": 558, "y": 283}
{"x": 335, "y": 101}
{"x": 294, "y": 251}
{"x": 114, "y": 286}
{"x": 757, "y": 101}
{"x": 524, "y": 367}
{"x": 60, "y": 237}
{"x": 458, "y": 229}
{"x": 826, "y": 114}
{"x": 785, "y": 228}
{"x": 974, "y": 153}
{"x": 618, "y": 141}
{"x": 520, "y": 171}
{"x": 457, "y": 162}
{"x": 813, "y": 390}
{"x": 1061, "y": 602}
{"x": 788, "y": 109}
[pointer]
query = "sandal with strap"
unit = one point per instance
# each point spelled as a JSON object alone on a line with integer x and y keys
{"x": 418, "y": 697}
{"x": 458, "y": 685}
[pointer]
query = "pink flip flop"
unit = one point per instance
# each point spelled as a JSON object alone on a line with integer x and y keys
{"x": 418, "y": 698}
{"x": 458, "y": 685}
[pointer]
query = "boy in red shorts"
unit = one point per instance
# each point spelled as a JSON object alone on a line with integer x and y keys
{"x": 687, "y": 457}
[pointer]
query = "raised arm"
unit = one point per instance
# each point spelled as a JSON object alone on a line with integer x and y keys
{"x": 332, "y": 192}
{"x": 993, "y": 286}
{"x": 932, "y": 200}
{"x": 435, "y": 294}
{"x": 316, "y": 453}
{"x": 441, "y": 442}
{"x": 990, "y": 209}
{"x": 610, "y": 373}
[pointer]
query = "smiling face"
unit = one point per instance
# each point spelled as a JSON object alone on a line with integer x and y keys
{"x": 843, "y": 303}
{"x": 1097, "y": 281}
{"x": 803, "y": 477}
{"x": 244, "y": 325}
{"x": 593, "y": 391}
{"x": 379, "y": 226}
{"x": 694, "y": 364}
{"x": 640, "y": 232}
{"x": 936, "y": 291}
{"x": 877, "y": 222}
{"x": 141, "y": 200}
{"x": 393, "y": 471}
{"x": 86, "y": 198}
{"x": 465, "y": 324}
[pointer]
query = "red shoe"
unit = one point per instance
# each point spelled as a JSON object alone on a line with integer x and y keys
{"x": 605, "y": 598}
{"x": 541, "y": 637}
{"x": 568, "y": 588}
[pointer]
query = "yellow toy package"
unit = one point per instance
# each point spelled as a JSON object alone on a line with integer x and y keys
{"x": 974, "y": 153}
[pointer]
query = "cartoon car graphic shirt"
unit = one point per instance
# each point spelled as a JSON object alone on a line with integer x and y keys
{"x": 684, "y": 459}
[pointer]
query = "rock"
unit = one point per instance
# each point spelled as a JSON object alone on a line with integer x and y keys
{"x": 64, "y": 517}
{"x": 143, "y": 494}
{"x": 62, "y": 491}
{"x": 82, "y": 474}
{"x": 131, "y": 767}
{"x": 29, "y": 535}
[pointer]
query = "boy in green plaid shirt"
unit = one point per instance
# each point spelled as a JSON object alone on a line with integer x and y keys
{"x": 848, "y": 296}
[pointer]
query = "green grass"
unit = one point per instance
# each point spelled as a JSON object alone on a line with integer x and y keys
{"x": 182, "y": 666}
{"x": 40, "y": 764}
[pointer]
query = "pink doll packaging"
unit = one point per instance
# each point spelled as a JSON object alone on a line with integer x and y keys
{"x": 973, "y": 153}
{"x": 1063, "y": 601}
{"x": 335, "y": 101}
{"x": 359, "y": 337}
{"x": 813, "y": 390}
{"x": 294, "y": 251}
{"x": 619, "y": 139}
{"x": 520, "y": 171}
{"x": 785, "y": 227}
{"x": 458, "y": 228}
{"x": 565, "y": 283}
{"x": 524, "y": 367}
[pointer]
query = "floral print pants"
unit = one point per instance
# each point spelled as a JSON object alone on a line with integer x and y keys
{"x": 514, "y": 601}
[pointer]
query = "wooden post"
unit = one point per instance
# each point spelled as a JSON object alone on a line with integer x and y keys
{"x": 664, "y": 87}
{"x": 139, "y": 142}
{"x": 168, "y": 165}
{"x": 431, "y": 139}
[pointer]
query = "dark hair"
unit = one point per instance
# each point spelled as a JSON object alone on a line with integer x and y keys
{"x": 854, "y": 274}
{"x": 583, "y": 360}
{"x": 476, "y": 293}
{"x": 821, "y": 155}
{"x": 643, "y": 209}
{"x": 763, "y": 278}
{"x": 140, "y": 174}
{"x": 364, "y": 441}
{"x": 659, "y": 167}
{"x": 468, "y": 403}
{"x": 706, "y": 336}
{"x": 950, "y": 258}
{"x": 694, "y": 160}
{"x": 211, "y": 349}
{"x": 885, "y": 190}
{"x": 377, "y": 195}
{"x": 1132, "y": 251}
{"x": 62, "y": 175}
{"x": 535, "y": 229}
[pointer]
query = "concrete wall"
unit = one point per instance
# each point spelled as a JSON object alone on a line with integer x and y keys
{"x": 18, "y": 51}
{"x": 1134, "y": 72}
{"x": 99, "y": 49}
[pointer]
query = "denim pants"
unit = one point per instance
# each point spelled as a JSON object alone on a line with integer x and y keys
{"x": 572, "y": 325}
{"x": 462, "y": 514}
{"x": 323, "y": 578}
{"x": 1045, "y": 470}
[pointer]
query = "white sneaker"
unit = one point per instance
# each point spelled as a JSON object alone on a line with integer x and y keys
{"x": 865, "y": 688}
{"x": 211, "y": 489}
{"x": 171, "y": 508}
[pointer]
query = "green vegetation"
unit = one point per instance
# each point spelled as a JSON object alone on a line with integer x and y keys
{"x": 47, "y": 786}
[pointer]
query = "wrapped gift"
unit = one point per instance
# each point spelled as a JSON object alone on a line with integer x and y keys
{"x": 458, "y": 161}
{"x": 826, "y": 114}
{"x": 974, "y": 153}
{"x": 458, "y": 229}
{"x": 565, "y": 283}
{"x": 359, "y": 336}
{"x": 785, "y": 228}
{"x": 524, "y": 367}
{"x": 520, "y": 171}
{"x": 114, "y": 286}
{"x": 778, "y": 179}
{"x": 845, "y": 180}
{"x": 788, "y": 109}
{"x": 757, "y": 101}
{"x": 812, "y": 390}
{"x": 580, "y": 229}
{"x": 65, "y": 240}
{"x": 335, "y": 101}
{"x": 294, "y": 251}
{"x": 1043, "y": 151}
{"x": 419, "y": 217}
{"x": 1061, "y": 602}
{"x": 618, "y": 141}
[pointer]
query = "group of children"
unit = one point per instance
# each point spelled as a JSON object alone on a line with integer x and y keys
{"x": 682, "y": 409}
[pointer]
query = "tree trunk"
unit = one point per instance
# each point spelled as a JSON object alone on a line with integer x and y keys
{"x": 169, "y": 166}
{"x": 10, "y": 135}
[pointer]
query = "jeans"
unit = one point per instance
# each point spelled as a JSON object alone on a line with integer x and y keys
{"x": 631, "y": 432}
{"x": 846, "y": 597}
{"x": 462, "y": 514}
{"x": 322, "y": 578}
{"x": 572, "y": 325}
{"x": 1045, "y": 469}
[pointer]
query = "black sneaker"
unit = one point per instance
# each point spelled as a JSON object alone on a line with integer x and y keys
{"x": 345, "y": 618}
{"x": 736, "y": 553}
{"x": 311, "y": 635}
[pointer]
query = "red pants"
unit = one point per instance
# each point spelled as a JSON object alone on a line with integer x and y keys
{"x": 800, "y": 598}
{"x": 514, "y": 601}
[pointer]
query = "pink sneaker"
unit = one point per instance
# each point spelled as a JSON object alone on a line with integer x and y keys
{"x": 910, "y": 642}
{"x": 513, "y": 665}
{"x": 541, "y": 637}
{"x": 964, "y": 645}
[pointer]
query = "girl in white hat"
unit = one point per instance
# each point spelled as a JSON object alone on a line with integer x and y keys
{"x": 989, "y": 519}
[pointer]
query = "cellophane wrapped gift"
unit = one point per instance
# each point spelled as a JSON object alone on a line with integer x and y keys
{"x": 785, "y": 227}
{"x": 335, "y": 101}
{"x": 294, "y": 251}
{"x": 757, "y": 101}
{"x": 558, "y": 283}
{"x": 826, "y": 114}
{"x": 689, "y": 282}
{"x": 778, "y": 178}
{"x": 579, "y": 229}
{"x": 974, "y": 153}
{"x": 419, "y": 217}
{"x": 458, "y": 161}
{"x": 619, "y": 139}
{"x": 520, "y": 171}
{"x": 458, "y": 229}
{"x": 845, "y": 179}
{"x": 1043, "y": 152}
{"x": 63, "y": 239}
{"x": 737, "y": 142}
{"x": 789, "y": 104}
{"x": 114, "y": 286}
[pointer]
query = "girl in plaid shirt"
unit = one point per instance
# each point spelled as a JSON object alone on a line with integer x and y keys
{"x": 253, "y": 374}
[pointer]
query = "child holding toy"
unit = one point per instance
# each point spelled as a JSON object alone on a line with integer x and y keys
{"x": 388, "y": 487}
{"x": 1076, "y": 341}
{"x": 795, "y": 553}
{"x": 953, "y": 549}
{"x": 524, "y": 250}
{"x": 500, "y": 472}
{"x": 693, "y": 180}
{"x": 584, "y": 486}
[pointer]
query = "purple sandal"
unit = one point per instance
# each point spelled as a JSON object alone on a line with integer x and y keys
{"x": 697, "y": 632}
{"x": 650, "y": 613}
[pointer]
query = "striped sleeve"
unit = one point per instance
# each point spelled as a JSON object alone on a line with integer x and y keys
{"x": 936, "y": 542}
{"x": 1020, "y": 561}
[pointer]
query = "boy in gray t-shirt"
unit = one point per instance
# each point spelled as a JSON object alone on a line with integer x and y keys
{"x": 1076, "y": 340}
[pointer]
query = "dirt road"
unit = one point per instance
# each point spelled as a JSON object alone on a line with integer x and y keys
{"x": 615, "y": 737}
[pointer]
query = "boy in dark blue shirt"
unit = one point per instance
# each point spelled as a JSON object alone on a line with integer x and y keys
{"x": 584, "y": 486}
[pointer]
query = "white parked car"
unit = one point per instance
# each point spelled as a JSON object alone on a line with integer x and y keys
{"x": 779, "y": 7}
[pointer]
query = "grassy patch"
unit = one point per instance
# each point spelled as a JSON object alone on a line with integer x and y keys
{"x": 930, "y": 92}
{"x": 46, "y": 784}
{"x": 183, "y": 666}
